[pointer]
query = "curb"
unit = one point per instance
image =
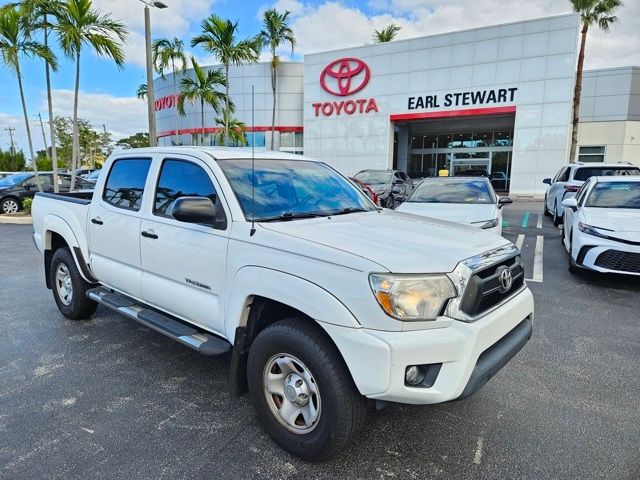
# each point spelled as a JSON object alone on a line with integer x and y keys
{"x": 16, "y": 219}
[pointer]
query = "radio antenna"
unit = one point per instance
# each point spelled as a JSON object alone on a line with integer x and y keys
{"x": 253, "y": 165}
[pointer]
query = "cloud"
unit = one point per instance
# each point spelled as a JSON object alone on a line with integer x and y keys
{"x": 332, "y": 25}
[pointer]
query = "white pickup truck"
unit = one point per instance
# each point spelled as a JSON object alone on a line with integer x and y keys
{"x": 325, "y": 301}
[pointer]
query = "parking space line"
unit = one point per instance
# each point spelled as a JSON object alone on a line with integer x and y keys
{"x": 537, "y": 261}
{"x": 539, "y": 223}
{"x": 525, "y": 220}
{"x": 520, "y": 241}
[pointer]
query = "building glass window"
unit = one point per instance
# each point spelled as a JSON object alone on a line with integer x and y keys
{"x": 258, "y": 137}
{"x": 591, "y": 154}
{"x": 416, "y": 142}
{"x": 503, "y": 139}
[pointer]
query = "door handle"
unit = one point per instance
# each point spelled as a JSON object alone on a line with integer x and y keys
{"x": 97, "y": 221}
{"x": 149, "y": 234}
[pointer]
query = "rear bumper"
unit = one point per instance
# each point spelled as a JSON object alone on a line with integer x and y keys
{"x": 469, "y": 354}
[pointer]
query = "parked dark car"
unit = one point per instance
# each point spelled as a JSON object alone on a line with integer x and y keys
{"x": 391, "y": 186}
{"x": 15, "y": 188}
{"x": 368, "y": 191}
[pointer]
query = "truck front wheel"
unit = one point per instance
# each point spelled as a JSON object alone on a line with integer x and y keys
{"x": 69, "y": 288}
{"x": 302, "y": 392}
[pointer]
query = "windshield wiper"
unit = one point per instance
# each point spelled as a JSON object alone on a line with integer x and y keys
{"x": 291, "y": 216}
{"x": 344, "y": 211}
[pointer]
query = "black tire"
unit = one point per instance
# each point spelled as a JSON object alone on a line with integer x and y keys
{"x": 343, "y": 409}
{"x": 557, "y": 220}
{"x": 573, "y": 266}
{"x": 78, "y": 307}
{"x": 10, "y": 203}
{"x": 544, "y": 209}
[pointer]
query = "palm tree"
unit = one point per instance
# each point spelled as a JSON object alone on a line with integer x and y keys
{"x": 218, "y": 37}
{"x": 592, "y": 12}
{"x": 276, "y": 30}
{"x": 236, "y": 132}
{"x": 141, "y": 93}
{"x": 387, "y": 34}
{"x": 79, "y": 24}
{"x": 37, "y": 14}
{"x": 204, "y": 88}
{"x": 167, "y": 53}
{"x": 15, "y": 42}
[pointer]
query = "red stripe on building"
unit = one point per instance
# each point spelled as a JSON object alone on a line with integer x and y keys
{"x": 470, "y": 112}
{"x": 195, "y": 131}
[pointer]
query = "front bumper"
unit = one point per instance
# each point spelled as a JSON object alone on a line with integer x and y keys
{"x": 594, "y": 247}
{"x": 470, "y": 353}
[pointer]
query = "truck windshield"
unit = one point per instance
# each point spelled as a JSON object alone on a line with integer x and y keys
{"x": 290, "y": 189}
{"x": 13, "y": 180}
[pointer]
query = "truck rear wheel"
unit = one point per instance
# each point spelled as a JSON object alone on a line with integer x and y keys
{"x": 302, "y": 392}
{"x": 69, "y": 288}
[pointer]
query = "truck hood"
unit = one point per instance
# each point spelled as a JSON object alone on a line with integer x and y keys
{"x": 453, "y": 212}
{"x": 399, "y": 242}
{"x": 621, "y": 220}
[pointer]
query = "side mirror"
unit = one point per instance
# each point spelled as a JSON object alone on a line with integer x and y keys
{"x": 547, "y": 181}
{"x": 571, "y": 203}
{"x": 200, "y": 210}
{"x": 502, "y": 201}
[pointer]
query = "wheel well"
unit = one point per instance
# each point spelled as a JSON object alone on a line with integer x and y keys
{"x": 56, "y": 242}
{"x": 262, "y": 313}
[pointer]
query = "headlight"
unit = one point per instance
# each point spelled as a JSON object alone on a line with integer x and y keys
{"x": 591, "y": 230}
{"x": 486, "y": 224}
{"x": 412, "y": 297}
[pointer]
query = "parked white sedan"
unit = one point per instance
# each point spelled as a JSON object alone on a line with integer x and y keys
{"x": 469, "y": 200}
{"x": 602, "y": 226}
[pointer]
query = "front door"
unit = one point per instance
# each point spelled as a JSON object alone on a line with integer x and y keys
{"x": 184, "y": 264}
{"x": 114, "y": 226}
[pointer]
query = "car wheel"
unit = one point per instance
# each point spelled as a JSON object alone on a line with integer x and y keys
{"x": 557, "y": 220}
{"x": 302, "y": 392}
{"x": 9, "y": 205}
{"x": 390, "y": 202}
{"x": 544, "y": 209}
{"x": 69, "y": 288}
{"x": 573, "y": 266}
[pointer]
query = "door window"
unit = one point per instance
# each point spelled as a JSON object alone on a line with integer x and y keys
{"x": 581, "y": 193}
{"x": 125, "y": 184}
{"x": 565, "y": 175}
{"x": 179, "y": 178}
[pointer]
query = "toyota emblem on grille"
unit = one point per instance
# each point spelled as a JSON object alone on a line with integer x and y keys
{"x": 506, "y": 279}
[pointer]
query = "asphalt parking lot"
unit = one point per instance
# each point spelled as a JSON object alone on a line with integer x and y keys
{"x": 108, "y": 398}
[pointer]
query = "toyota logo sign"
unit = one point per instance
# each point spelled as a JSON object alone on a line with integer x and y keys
{"x": 345, "y": 76}
{"x": 506, "y": 279}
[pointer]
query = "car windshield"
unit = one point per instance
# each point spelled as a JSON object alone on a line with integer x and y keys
{"x": 13, "y": 180}
{"x": 289, "y": 189}
{"x": 584, "y": 173}
{"x": 446, "y": 191}
{"x": 374, "y": 177}
{"x": 615, "y": 195}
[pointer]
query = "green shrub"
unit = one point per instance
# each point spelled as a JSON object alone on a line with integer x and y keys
{"x": 26, "y": 204}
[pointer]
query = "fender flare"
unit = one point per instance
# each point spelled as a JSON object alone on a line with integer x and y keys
{"x": 296, "y": 292}
{"x": 55, "y": 224}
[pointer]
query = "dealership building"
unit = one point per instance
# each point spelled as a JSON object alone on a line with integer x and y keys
{"x": 495, "y": 99}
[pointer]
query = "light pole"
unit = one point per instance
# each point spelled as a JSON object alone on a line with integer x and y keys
{"x": 153, "y": 139}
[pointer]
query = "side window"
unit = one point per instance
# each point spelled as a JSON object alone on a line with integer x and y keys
{"x": 555, "y": 179}
{"x": 582, "y": 192}
{"x": 125, "y": 184}
{"x": 180, "y": 178}
{"x": 565, "y": 175}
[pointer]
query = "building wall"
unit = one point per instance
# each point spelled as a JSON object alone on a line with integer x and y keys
{"x": 537, "y": 57}
{"x": 621, "y": 139}
{"x": 241, "y": 78}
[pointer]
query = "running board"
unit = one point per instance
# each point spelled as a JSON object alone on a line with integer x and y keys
{"x": 204, "y": 343}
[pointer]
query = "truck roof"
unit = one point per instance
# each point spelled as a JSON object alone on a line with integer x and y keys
{"x": 223, "y": 153}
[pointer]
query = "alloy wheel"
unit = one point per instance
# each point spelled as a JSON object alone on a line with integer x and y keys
{"x": 64, "y": 287}
{"x": 10, "y": 206}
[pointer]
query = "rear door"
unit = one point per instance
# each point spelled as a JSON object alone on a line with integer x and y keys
{"x": 114, "y": 225}
{"x": 556, "y": 192}
{"x": 184, "y": 264}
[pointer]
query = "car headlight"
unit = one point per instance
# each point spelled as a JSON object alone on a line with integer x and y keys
{"x": 412, "y": 297}
{"x": 486, "y": 224}
{"x": 591, "y": 230}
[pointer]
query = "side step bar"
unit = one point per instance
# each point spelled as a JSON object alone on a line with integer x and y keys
{"x": 204, "y": 343}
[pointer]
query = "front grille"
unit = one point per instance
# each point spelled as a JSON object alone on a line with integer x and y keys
{"x": 485, "y": 290}
{"x": 619, "y": 261}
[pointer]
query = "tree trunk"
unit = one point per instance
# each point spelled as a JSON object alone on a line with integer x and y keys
{"x": 175, "y": 102}
{"x": 52, "y": 130}
{"x": 576, "y": 95}
{"x": 226, "y": 102}
{"x": 26, "y": 122}
{"x": 273, "y": 109}
{"x": 202, "y": 119}
{"x": 76, "y": 142}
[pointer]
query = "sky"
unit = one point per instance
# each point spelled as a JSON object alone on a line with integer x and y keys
{"x": 107, "y": 94}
